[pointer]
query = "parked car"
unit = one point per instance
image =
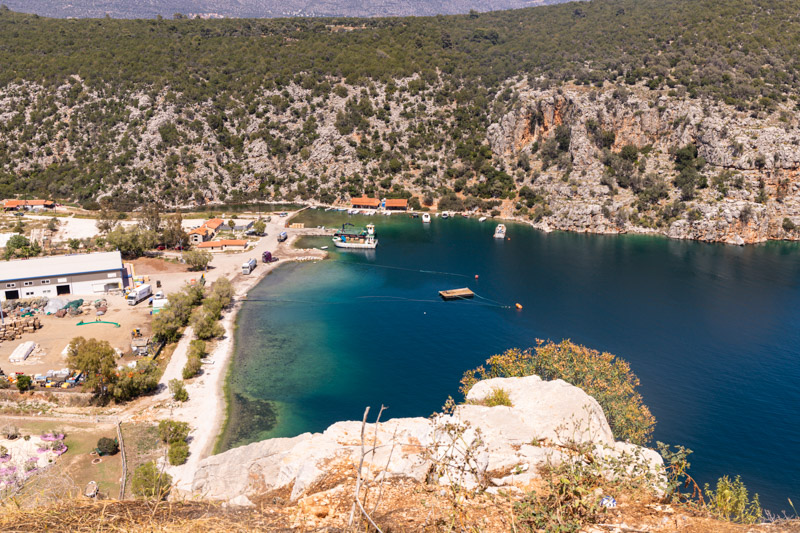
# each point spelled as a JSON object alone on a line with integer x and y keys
{"x": 161, "y": 247}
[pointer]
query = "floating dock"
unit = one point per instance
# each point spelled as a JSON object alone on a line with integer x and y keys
{"x": 457, "y": 294}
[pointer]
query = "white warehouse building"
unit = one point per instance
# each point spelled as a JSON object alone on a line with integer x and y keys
{"x": 58, "y": 275}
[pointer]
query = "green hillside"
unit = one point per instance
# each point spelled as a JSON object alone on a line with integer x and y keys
{"x": 740, "y": 50}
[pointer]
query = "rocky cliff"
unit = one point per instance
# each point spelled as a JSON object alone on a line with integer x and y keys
{"x": 609, "y": 159}
{"x": 621, "y": 170}
{"x": 476, "y": 447}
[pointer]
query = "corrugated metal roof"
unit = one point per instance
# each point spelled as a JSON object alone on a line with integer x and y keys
{"x": 59, "y": 265}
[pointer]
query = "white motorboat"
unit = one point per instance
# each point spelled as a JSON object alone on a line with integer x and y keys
{"x": 500, "y": 231}
{"x": 426, "y": 218}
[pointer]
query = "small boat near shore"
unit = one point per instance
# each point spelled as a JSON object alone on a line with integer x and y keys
{"x": 481, "y": 219}
{"x": 500, "y": 231}
{"x": 445, "y": 214}
{"x": 364, "y": 239}
{"x": 426, "y": 218}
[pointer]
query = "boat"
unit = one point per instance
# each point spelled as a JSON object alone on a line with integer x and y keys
{"x": 445, "y": 214}
{"x": 426, "y": 218}
{"x": 481, "y": 219}
{"x": 352, "y": 238}
{"x": 500, "y": 231}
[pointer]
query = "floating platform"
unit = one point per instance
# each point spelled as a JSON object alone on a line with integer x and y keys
{"x": 457, "y": 294}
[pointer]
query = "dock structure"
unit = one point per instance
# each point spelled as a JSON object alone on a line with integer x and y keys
{"x": 457, "y": 294}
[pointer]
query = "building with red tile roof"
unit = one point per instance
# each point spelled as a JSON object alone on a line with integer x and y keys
{"x": 398, "y": 204}
{"x": 365, "y": 202}
{"x": 224, "y": 245}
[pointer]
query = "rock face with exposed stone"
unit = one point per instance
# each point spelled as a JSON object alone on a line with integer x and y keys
{"x": 289, "y": 144}
{"x": 746, "y": 190}
{"x": 475, "y": 446}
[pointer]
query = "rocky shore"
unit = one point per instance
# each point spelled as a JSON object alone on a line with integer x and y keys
{"x": 499, "y": 448}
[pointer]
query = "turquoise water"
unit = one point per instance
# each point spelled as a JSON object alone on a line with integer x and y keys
{"x": 711, "y": 331}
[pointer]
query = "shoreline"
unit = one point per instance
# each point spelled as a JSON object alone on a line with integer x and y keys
{"x": 737, "y": 238}
{"x": 230, "y": 323}
{"x": 207, "y": 409}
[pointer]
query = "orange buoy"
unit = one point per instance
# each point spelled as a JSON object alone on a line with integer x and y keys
{"x": 519, "y": 306}
{"x": 476, "y": 276}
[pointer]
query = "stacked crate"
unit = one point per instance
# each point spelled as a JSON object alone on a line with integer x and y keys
{"x": 13, "y": 328}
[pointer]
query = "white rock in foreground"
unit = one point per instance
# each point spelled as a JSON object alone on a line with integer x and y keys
{"x": 507, "y": 444}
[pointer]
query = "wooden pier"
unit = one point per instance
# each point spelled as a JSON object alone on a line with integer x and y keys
{"x": 457, "y": 294}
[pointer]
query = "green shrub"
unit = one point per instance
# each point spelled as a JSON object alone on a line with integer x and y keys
{"x": 149, "y": 483}
{"x": 24, "y": 383}
{"x": 170, "y": 431}
{"x": 197, "y": 348}
{"x": 107, "y": 446}
{"x": 731, "y": 502}
{"x": 601, "y": 375}
{"x": 178, "y": 391}
{"x": 197, "y": 259}
{"x": 498, "y": 396}
{"x": 192, "y": 367}
{"x": 178, "y": 453}
{"x": 788, "y": 225}
{"x": 567, "y": 502}
{"x": 205, "y": 324}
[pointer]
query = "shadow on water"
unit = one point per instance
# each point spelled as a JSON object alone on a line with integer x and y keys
{"x": 245, "y": 414}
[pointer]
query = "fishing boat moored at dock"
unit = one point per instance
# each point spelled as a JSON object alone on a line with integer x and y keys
{"x": 364, "y": 239}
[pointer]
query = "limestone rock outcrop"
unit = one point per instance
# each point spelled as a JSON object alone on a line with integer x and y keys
{"x": 474, "y": 446}
{"x": 748, "y": 185}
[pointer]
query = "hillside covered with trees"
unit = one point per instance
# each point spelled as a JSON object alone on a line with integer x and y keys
{"x": 261, "y": 8}
{"x": 197, "y": 111}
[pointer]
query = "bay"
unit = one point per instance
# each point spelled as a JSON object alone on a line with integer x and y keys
{"x": 711, "y": 331}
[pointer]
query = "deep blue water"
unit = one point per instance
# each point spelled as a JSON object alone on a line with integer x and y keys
{"x": 711, "y": 331}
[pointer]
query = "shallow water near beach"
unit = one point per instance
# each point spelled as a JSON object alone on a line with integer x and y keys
{"x": 711, "y": 331}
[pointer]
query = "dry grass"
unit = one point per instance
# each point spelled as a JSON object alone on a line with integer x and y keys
{"x": 78, "y": 515}
{"x": 407, "y": 506}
